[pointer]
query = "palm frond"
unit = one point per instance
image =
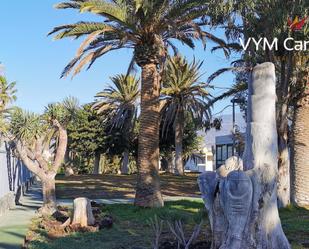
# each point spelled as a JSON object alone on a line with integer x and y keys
{"x": 224, "y": 70}
{"x": 183, "y": 91}
{"x": 135, "y": 24}
{"x": 79, "y": 29}
{"x": 119, "y": 101}
{"x": 106, "y": 9}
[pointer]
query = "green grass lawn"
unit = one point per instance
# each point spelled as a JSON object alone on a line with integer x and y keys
{"x": 132, "y": 230}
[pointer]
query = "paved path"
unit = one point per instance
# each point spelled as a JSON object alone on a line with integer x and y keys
{"x": 69, "y": 202}
{"x": 14, "y": 224}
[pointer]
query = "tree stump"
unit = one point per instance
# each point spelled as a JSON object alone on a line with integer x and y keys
{"x": 68, "y": 171}
{"x": 83, "y": 212}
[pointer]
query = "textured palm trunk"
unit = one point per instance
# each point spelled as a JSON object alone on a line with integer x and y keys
{"x": 49, "y": 194}
{"x": 96, "y": 168}
{"x": 300, "y": 170}
{"x": 171, "y": 163}
{"x": 148, "y": 193}
{"x": 125, "y": 155}
{"x": 67, "y": 156}
{"x": 283, "y": 187}
{"x": 179, "y": 170}
{"x": 125, "y": 162}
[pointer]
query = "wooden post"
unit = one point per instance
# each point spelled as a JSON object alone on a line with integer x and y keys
{"x": 82, "y": 212}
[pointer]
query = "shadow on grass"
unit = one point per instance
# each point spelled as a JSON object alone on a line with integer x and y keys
{"x": 184, "y": 210}
{"x": 14, "y": 234}
{"x": 115, "y": 238}
{"x": 121, "y": 186}
{"x": 8, "y": 246}
{"x": 295, "y": 223}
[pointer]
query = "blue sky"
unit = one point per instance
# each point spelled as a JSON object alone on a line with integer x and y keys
{"x": 35, "y": 61}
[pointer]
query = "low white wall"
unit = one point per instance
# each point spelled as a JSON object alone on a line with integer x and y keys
{"x": 4, "y": 177}
{"x": 12, "y": 175}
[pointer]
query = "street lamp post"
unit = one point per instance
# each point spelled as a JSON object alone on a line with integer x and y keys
{"x": 234, "y": 128}
{"x": 234, "y": 101}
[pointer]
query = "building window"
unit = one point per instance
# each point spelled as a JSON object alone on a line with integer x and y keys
{"x": 223, "y": 152}
{"x": 200, "y": 159}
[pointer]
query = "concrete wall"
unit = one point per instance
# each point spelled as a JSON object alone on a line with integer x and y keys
{"x": 13, "y": 174}
{"x": 4, "y": 179}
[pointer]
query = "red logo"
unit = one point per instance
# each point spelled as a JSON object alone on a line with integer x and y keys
{"x": 297, "y": 24}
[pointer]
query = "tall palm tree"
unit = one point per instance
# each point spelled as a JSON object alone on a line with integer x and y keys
{"x": 7, "y": 96}
{"x": 184, "y": 93}
{"x": 148, "y": 28}
{"x": 119, "y": 103}
{"x": 7, "y": 93}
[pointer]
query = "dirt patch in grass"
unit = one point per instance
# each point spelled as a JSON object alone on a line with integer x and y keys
{"x": 121, "y": 186}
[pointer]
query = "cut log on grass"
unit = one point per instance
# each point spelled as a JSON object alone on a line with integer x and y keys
{"x": 66, "y": 223}
{"x": 83, "y": 212}
{"x": 242, "y": 205}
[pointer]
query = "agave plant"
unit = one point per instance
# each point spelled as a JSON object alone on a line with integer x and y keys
{"x": 149, "y": 28}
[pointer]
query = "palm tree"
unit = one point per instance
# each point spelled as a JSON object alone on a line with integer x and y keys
{"x": 148, "y": 28}
{"x": 7, "y": 93}
{"x": 119, "y": 103}
{"x": 184, "y": 93}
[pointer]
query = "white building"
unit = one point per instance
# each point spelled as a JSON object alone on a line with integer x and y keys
{"x": 218, "y": 145}
{"x": 202, "y": 162}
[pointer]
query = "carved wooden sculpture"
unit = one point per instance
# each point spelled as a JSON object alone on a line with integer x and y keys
{"x": 242, "y": 205}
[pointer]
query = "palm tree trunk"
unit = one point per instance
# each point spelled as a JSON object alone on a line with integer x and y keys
{"x": 96, "y": 167}
{"x": 300, "y": 172}
{"x": 67, "y": 156}
{"x": 171, "y": 163}
{"x": 283, "y": 188}
{"x": 148, "y": 193}
{"x": 178, "y": 143}
{"x": 125, "y": 162}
